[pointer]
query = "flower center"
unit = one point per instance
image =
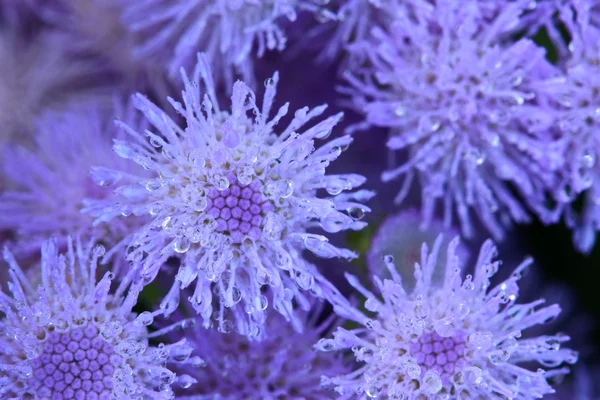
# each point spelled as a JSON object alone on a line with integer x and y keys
{"x": 239, "y": 209}
{"x": 75, "y": 365}
{"x": 443, "y": 355}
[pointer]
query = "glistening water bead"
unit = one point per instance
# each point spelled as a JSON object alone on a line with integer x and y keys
{"x": 75, "y": 365}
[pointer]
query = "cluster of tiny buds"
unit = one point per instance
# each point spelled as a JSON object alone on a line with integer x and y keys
{"x": 239, "y": 209}
{"x": 75, "y": 365}
{"x": 434, "y": 352}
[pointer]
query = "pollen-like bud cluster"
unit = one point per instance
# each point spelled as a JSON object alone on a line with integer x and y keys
{"x": 75, "y": 365}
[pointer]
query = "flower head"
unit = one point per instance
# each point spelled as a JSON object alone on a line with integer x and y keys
{"x": 233, "y": 198}
{"x": 48, "y": 186}
{"x": 72, "y": 337}
{"x": 227, "y": 31}
{"x": 401, "y": 236}
{"x": 576, "y": 102}
{"x": 36, "y": 75}
{"x": 458, "y": 97}
{"x": 351, "y": 22}
{"x": 281, "y": 366}
{"x": 457, "y": 338}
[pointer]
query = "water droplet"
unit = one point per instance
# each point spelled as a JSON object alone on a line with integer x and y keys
{"x": 186, "y": 381}
{"x": 200, "y": 204}
{"x": 314, "y": 242}
{"x": 324, "y": 134}
{"x": 400, "y": 111}
{"x": 155, "y": 208}
{"x": 245, "y": 175}
{"x": 261, "y": 302}
{"x": 372, "y": 304}
{"x": 104, "y": 176}
{"x": 273, "y": 226}
{"x": 325, "y": 345}
{"x": 263, "y": 277}
{"x": 304, "y": 280}
{"x": 287, "y": 188}
{"x": 226, "y": 326}
{"x": 144, "y": 319}
{"x": 153, "y": 185}
{"x": 181, "y": 244}
{"x": 221, "y": 182}
{"x": 481, "y": 340}
{"x": 432, "y": 382}
{"x": 588, "y": 160}
{"x": 269, "y": 82}
{"x": 356, "y": 213}
{"x": 99, "y": 250}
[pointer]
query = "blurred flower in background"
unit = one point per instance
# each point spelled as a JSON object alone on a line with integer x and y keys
{"x": 50, "y": 184}
{"x": 282, "y": 366}
{"x": 461, "y": 101}
{"x": 401, "y": 236}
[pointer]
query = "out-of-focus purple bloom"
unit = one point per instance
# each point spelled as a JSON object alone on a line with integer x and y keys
{"x": 70, "y": 336}
{"x": 459, "y": 99}
{"x": 38, "y": 74}
{"x": 49, "y": 186}
{"x": 351, "y": 23}
{"x": 233, "y": 199}
{"x": 576, "y": 98}
{"x": 228, "y": 31}
{"x": 459, "y": 338}
{"x": 401, "y": 236}
{"x": 581, "y": 385}
{"x": 282, "y": 366}
{"x": 95, "y": 27}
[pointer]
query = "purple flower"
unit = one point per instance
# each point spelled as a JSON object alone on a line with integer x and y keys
{"x": 49, "y": 186}
{"x": 233, "y": 199}
{"x": 37, "y": 75}
{"x": 228, "y": 31}
{"x": 281, "y": 366}
{"x": 575, "y": 97}
{"x": 458, "y": 98}
{"x": 69, "y": 336}
{"x": 458, "y": 338}
{"x": 351, "y": 23}
{"x": 401, "y": 236}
